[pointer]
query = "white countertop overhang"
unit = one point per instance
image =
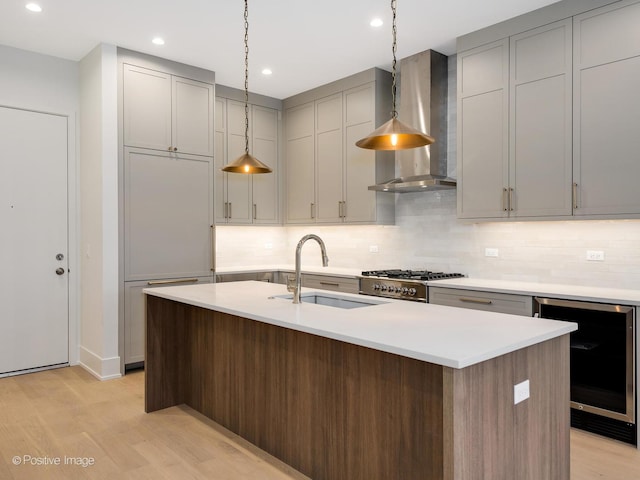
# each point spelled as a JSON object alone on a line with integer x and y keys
{"x": 448, "y": 336}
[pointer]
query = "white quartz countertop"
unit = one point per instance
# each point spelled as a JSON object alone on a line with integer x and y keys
{"x": 452, "y": 337}
{"x": 569, "y": 292}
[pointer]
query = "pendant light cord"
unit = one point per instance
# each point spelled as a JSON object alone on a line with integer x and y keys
{"x": 394, "y": 47}
{"x": 246, "y": 76}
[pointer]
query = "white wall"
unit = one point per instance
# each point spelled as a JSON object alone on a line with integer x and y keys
{"x": 48, "y": 84}
{"x": 99, "y": 212}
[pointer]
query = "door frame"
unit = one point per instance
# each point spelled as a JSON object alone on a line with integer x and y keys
{"x": 73, "y": 215}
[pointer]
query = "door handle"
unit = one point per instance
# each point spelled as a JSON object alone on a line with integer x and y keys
{"x": 59, "y": 271}
{"x": 255, "y": 211}
{"x": 575, "y": 196}
{"x": 505, "y": 201}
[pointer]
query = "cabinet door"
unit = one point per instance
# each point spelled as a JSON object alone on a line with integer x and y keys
{"x": 147, "y": 108}
{"x": 192, "y": 116}
{"x": 540, "y": 134}
{"x": 359, "y": 163}
{"x": 299, "y": 138}
{"x": 167, "y": 214}
{"x": 219, "y": 161}
{"x": 239, "y": 208}
{"x": 483, "y": 131}
{"x": 134, "y": 314}
{"x": 607, "y": 110}
{"x": 265, "y": 149}
{"x": 329, "y": 173}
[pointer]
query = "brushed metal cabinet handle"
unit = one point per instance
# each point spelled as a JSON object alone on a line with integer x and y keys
{"x": 313, "y": 210}
{"x": 230, "y": 214}
{"x": 213, "y": 248}
{"x": 166, "y": 282}
{"x": 511, "y": 199}
{"x": 481, "y": 301}
{"x": 332, "y": 284}
{"x": 255, "y": 211}
{"x": 505, "y": 208}
{"x": 575, "y": 195}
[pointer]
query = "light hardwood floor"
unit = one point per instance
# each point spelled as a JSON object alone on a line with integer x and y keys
{"x": 67, "y": 412}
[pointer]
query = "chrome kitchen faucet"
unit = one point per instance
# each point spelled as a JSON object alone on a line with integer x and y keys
{"x": 295, "y": 288}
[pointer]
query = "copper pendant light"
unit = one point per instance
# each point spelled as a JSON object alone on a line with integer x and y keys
{"x": 394, "y": 135}
{"x": 246, "y": 163}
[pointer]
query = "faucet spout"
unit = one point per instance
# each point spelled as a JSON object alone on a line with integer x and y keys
{"x": 298, "y": 278}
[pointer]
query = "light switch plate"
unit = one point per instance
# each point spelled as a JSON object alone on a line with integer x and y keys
{"x": 520, "y": 392}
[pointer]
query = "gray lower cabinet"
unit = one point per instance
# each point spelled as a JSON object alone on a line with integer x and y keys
{"x": 331, "y": 282}
{"x": 607, "y": 110}
{"x": 134, "y": 314}
{"x": 480, "y": 300}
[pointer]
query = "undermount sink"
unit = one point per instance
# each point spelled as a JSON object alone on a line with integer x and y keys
{"x": 330, "y": 300}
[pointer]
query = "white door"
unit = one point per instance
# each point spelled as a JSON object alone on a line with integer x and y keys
{"x": 34, "y": 285}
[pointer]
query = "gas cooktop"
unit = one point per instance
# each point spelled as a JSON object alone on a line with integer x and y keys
{"x": 410, "y": 274}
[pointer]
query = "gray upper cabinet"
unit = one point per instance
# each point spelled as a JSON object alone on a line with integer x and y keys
{"x": 246, "y": 199}
{"x": 329, "y": 159}
{"x": 550, "y": 110}
{"x": 299, "y": 157}
{"x": 483, "y": 147}
{"x": 327, "y": 176}
{"x": 607, "y": 110}
{"x": 167, "y": 112}
{"x": 515, "y": 126}
{"x": 540, "y": 106}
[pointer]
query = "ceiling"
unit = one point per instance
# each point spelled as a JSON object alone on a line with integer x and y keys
{"x": 305, "y": 42}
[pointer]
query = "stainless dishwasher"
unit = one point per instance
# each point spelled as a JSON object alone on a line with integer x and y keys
{"x": 603, "y": 386}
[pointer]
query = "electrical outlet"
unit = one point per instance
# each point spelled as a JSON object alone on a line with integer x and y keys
{"x": 520, "y": 392}
{"x": 491, "y": 252}
{"x": 373, "y": 248}
{"x": 595, "y": 256}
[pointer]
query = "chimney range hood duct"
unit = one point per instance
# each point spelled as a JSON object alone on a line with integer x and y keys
{"x": 423, "y": 104}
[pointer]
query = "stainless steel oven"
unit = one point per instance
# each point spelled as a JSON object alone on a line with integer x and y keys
{"x": 603, "y": 387}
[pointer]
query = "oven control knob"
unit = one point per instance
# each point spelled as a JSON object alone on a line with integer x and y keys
{"x": 376, "y": 286}
{"x": 383, "y": 288}
{"x": 412, "y": 291}
{"x": 405, "y": 290}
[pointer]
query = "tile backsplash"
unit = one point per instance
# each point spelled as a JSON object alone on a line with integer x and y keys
{"x": 428, "y": 234}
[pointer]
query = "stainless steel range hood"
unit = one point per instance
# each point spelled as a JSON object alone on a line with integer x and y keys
{"x": 423, "y": 105}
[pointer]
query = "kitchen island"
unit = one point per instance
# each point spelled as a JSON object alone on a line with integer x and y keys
{"x": 392, "y": 390}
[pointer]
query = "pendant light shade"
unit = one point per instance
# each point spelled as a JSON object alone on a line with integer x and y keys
{"x": 394, "y": 135}
{"x": 246, "y": 163}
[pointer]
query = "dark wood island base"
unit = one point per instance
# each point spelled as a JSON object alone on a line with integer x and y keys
{"x": 338, "y": 411}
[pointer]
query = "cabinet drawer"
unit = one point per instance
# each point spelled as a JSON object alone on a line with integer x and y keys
{"x": 330, "y": 282}
{"x": 476, "y": 300}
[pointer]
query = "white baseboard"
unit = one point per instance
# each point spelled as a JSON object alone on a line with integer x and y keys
{"x": 101, "y": 368}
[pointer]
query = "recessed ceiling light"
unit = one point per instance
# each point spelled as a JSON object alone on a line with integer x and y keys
{"x": 266, "y": 71}
{"x": 33, "y": 7}
{"x": 376, "y": 22}
{"x": 158, "y": 41}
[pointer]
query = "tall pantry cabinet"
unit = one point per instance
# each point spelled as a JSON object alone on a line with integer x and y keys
{"x": 167, "y": 147}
